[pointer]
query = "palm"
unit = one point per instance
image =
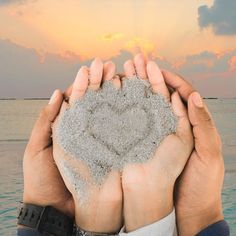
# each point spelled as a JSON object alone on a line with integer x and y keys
{"x": 154, "y": 180}
{"x": 107, "y": 196}
{"x": 168, "y": 162}
{"x": 103, "y": 209}
{"x": 197, "y": 171}
{"x": 42, "y": 179}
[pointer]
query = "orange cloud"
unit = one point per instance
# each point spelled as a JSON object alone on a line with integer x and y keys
{"x": 112, "y": 36}
{"x": 206, "y": 62}
{"x": 138, "y": 44}
{"x": 232, "y": 63}
{"x": 178, "y": 64}
{"x": 198, "y": 61}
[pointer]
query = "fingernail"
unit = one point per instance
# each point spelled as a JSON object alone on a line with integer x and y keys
{"x": 52, "y": 99}
{"x": 197, "y": 99}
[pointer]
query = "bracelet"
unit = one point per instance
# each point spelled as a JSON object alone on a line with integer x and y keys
{"x": 80, "y": 232}
{"x": 46, "y": 220}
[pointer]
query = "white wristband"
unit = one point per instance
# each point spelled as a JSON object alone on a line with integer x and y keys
{"x": 164, "y": 227}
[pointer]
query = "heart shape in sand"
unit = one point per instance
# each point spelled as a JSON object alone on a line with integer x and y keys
{"x": 130, "y": 131}
{"x": 109, "y": 128}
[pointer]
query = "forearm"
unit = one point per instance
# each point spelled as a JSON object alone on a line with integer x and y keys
{"x": 220, "y": 228}
{"x": 193, "y": 224}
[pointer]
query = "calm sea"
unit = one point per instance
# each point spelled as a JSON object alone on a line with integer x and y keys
{"x": 16, "y": 121}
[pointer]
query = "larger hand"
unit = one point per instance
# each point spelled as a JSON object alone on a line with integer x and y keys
{"x": 198, "y": 198}
{"x": 43, "y": 184}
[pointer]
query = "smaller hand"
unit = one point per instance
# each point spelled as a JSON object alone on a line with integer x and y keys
{"x": 148, "y": 187}
{"x": 198, "y": 193}
{"x": 43, "y": 184}
{"x": 102, "y": 210}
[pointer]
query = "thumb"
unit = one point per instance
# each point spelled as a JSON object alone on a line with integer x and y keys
{"x": 41, "y": 134}
{"x": 206, "y": 137}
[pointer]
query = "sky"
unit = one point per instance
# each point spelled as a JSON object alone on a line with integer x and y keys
{"x": 44, "y": 43}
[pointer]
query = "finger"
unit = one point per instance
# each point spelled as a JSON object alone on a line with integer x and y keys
{"x": 121, "y": 75}
{"x": 178, "y": 83}
{"x": 80, "y": 84}
{"x": 64, "y": 107}
{"x": 140, "y": 66}
{"x": 156, "y": 80}
{"x": 116, "y": 81}
{"x": 41, "y": 134}
{"x": 96, "y": 73}
{"x": 67, "y": 92}
{"x": 109, "y": 70}
{"x": 184, "y": 128}
{"x": 109, "y": 74}
{"x": 207, "y": 139}
{"x": 129, "y": 69}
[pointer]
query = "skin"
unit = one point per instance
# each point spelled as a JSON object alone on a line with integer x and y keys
{"x": 198, "y": 191}
{"x": 43, "y": 184}
{"x": 142, "y": 181}
{"x": 202, "y": 175}
{"x": 97, "y": 216}
{"x": 103, "y": 209}
{"x": 99, "y": 196}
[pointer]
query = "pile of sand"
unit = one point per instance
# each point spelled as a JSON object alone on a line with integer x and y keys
{"x": 109, "y": 128}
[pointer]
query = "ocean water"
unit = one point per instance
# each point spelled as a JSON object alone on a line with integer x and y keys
{"x": 16, "y": 121}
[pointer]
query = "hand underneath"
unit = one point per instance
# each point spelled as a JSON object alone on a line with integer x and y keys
{"x": 198, "y": 192}
{"x": 148, "y": 188}
{"x": 43, "y": 184}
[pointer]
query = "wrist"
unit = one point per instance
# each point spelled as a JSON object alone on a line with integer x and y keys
{"x": 191, "y": 224}
{"x": 105, "y": 219}
{"x": 153, "y": 209}
{"x": 66, "y": 206}
{"x": 44, "y": 220}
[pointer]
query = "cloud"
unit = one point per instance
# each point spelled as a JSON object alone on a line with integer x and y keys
{"x": 112, "y": 36}
{"x": 39, "y": 73}
{"x": 138, "y": 44}
{"x": 6, "y": 2}
{"x": 221, "y": 16}
{"x": 232, "y": 63}
{"x": 211, "y": 74}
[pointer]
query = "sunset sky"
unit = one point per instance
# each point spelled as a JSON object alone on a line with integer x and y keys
{"x": 43, "y": 43}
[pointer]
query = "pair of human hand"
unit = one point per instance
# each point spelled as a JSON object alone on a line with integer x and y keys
{"x": 153, "y": 181}
{"x": 202, "y": 176}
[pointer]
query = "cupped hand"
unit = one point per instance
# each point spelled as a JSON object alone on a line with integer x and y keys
{"x": 101, "y": 210}
{"x": 43, "y": 184}
{"x": 198, "y": 192}
{"x": 148, "y": 188}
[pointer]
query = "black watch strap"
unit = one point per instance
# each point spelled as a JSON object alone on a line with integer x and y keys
{"x": 80, "y": 232}
{"x": 46, "y": 220}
